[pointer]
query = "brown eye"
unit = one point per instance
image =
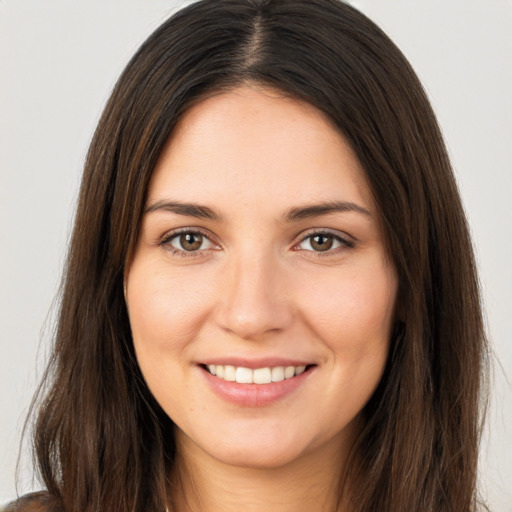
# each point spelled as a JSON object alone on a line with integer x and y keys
{"x": 191, "y": 241}
{"x": 322, "y": 242}
{"x": 188, "y": 242}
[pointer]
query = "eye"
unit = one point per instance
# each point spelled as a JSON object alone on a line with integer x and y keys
{"x": 324, "y": 242}
{"x": 188, "y": 242}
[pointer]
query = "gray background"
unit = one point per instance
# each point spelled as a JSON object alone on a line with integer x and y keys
{"x": 60, "y": 59}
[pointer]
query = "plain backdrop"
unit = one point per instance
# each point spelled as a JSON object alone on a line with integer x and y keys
{"x": 59, "y": 60}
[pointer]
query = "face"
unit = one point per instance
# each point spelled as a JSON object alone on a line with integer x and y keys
{"x": 260, "y": 295}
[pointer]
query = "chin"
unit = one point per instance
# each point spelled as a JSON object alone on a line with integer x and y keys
{"x": 266, "y": 458}
{"x": 260, "y": 446}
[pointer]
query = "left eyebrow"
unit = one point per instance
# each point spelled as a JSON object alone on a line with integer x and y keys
{"x": 186, "y": 209}
{"x": 314, "y": 210}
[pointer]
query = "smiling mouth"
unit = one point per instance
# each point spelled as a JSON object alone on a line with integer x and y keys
{"x": 264, "y": 375}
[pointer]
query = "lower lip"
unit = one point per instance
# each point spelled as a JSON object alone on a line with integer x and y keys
{"x": 255, "y": 395}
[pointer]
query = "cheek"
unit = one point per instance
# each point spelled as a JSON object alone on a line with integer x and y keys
{"x": 353, "y": 313}
{"x": 165, "y": 310}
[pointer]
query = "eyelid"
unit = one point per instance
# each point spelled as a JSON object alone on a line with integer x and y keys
{"x": 347, "y": 241}
{"x": 170, "y": 235}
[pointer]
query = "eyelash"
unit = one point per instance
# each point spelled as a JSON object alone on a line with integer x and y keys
{"x": 165, "y": 242}
{"x": 181, "y": 253}
{"x": 346, "y": 242}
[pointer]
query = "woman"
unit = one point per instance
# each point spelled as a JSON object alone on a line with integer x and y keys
{"x": 270, "y": 299}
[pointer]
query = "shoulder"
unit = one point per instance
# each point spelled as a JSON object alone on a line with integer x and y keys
{"x": 33, "y": 502}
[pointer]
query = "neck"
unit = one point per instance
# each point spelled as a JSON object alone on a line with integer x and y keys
{"x": 203, "y": 484}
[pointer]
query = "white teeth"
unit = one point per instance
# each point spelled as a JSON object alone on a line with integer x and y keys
{"x": 229, "y": 373}
{"x": 289, "y": 372}
{"x": 243, "y": 375}
{"x": 277, "y": 374}
{"x": 299, "y": 370}
{"x": 262, "y": 376}
{"x": 257, "y": 376}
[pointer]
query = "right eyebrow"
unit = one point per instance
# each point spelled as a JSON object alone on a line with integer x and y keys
{"x": 187, "y": 209}
{"x": 316, "y": 210}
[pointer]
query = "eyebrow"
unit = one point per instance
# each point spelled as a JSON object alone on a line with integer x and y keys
{"x": 293, "y": 214}
{"x": 188, "y": 209}
{"x": 315, "y": 210}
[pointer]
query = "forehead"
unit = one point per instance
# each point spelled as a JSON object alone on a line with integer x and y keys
{"x": 255, "y": 144}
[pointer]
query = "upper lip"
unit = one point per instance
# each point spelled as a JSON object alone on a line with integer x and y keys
{"x": 254, "y": 363}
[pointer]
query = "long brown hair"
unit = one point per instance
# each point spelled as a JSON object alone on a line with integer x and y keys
{"x": 101, "y": 440}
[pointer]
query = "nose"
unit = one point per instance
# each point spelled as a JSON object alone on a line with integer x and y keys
{"x": 255, "y": 300}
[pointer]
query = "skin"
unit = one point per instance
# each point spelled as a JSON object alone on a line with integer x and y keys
{"x": 258, "y": 287}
